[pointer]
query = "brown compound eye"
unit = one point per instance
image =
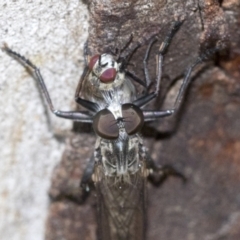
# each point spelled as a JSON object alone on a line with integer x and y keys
{"x": 93, "y": 60}
{"x": 133, "y": 118}
{"x": 108, "y": 75}
{"x": 105, "y": 125}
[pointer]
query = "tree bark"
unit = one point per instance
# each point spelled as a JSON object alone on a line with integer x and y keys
{"x": 202, "y": 140}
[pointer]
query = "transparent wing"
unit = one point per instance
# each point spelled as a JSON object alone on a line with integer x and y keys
{"x": 121, "y": 206}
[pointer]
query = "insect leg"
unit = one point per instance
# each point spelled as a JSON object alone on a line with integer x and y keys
{"x": 122, "y": 49}
{"x": 77, "y": 116}
{"x": 147, "y": 81}
{"x": 187, "y": 78}
{"x": 86, "y": 53}
{"x": 141, "y": 101}
{"x": 87, "y": 175}
{"x": 161, "y": 173}
{"x": 153, "y": 115}
{"x": 136, "y": 78}
{"x": 145, "y": 62}
{"x": 162, "y": 50}
{"x": 158, "y": 174}
{"x": 92, "y": 106}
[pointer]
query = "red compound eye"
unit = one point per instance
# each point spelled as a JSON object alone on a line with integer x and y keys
{"x": 108, "y": 75}
{"x": 93, "y": 60}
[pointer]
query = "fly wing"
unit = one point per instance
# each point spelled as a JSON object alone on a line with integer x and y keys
{"x": 121, "y": 206}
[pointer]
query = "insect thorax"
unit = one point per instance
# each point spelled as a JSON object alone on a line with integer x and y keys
{"x": 120, "y": 158}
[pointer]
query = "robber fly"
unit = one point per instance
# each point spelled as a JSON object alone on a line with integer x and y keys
{"x": 120, "y": 163}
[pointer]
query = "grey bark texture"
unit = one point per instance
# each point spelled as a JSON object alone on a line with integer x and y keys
{"x": 49, "y": 34}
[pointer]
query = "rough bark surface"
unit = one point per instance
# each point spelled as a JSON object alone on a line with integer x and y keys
{"x": 202, "y": 141}
{"x": 49, "y": 34}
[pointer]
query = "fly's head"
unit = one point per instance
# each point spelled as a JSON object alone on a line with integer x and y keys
{"x": 105, "y": 72}
{"x": 104, "y": 67}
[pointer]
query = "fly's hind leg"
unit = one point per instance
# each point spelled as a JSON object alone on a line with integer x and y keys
{"x": 159, "y": 58}
{"x": 88, "y": 174}
{"x": 157, "y": 173}
{"x": 86, "y": 180}
{"x": 80, "y": 116}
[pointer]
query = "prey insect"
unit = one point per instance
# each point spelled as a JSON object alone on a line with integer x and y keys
{"x": 120, "y": 163}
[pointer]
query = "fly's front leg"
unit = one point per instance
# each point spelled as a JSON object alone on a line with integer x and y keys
{"x": 158, "y": 174}
{"x": 136, "y": 79}
{"x": 154, "y": 115}
{"x": 125, "y": 62}
{"x": 83, "y": 116}
{"x": 86, "y": 53}
{"x": 159, "y": 57}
